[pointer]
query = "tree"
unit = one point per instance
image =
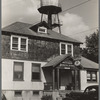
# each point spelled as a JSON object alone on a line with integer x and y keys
{"x": 91, "y": 50}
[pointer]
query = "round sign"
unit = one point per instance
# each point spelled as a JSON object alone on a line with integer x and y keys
{"x": 77, "y": 63}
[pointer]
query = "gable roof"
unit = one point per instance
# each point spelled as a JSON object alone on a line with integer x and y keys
{"x": 57, "y": 60}
{"x": 85, "y": 63}
{"x": 24, "y": 29}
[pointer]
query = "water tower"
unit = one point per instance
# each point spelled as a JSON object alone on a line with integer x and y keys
{"x": 51, "y": 8}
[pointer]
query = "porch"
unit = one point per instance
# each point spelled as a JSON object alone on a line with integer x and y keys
{"x": 62, "y": 79}
{"x": 61, "y": 74}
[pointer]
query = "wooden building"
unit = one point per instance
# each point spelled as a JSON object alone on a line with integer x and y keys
{"x": 36, "y": 59}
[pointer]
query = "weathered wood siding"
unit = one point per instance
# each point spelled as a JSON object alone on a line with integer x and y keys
{"x": 76, "y": 50}
{"x": 38, "y": 50}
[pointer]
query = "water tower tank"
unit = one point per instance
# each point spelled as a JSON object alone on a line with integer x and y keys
{"x": 49, "y": 6}
{"x": 49, "y": 2}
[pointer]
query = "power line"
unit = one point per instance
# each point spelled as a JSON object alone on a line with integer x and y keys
{"x": 76, "y": 6}
{"x": 84, "y": 31}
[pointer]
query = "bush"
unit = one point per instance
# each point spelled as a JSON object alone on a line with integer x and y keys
{"x": 47, "y": 97}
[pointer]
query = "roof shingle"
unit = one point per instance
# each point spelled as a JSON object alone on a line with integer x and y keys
{"x": 88, "y": 64}
{"x": 24, "y": 28}
{"x": 85, "y": 63}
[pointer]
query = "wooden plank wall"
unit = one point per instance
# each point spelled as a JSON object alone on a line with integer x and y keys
{"x": 38, "y": 50}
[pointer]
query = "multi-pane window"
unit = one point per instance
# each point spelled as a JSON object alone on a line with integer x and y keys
{"x": 66, "y": 48}
{"x": 42, "y": 30}
{"x": 63, "y": 49}
{"x": 18, "y": 71}
{"x": 15, "y": 43}
{"x": 18, "y": 93}
{"x": 36, "y": 71}
{"x": 91, "y": 76}
{"x": 19, "y": 43}
{"x": 69, "y": 49}
{"x": 23, "y": 44}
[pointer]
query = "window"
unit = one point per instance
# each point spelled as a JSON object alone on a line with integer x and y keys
{"x": 35, "y": 71}
{"x": 19, "y": 43}
{"x": 18, "y": 71}
{"x": 69, "y": 49}
{"x": 15, "y": 43}
{"x": 91, "y": 76}
{"x": 63, "y": 49}
{"x": 42, "y": 30}
{"x": 66, "y": 48}
{"x": 23, "y": 44}
{"x": 18, "y": 93}
{"x": 35, "y": 92}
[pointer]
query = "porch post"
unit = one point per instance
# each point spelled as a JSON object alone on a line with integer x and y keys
{"x": 53, "y": 76}
{"x": 58, "y": 78}
{"x": 75, "y": 78}
{"x": 79, "y": 79}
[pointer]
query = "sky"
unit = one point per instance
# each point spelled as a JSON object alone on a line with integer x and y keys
{"x": 78, "y": 22}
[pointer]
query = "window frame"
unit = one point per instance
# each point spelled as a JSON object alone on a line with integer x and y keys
{"x": 66, "y": 47}
{"x": 43, "y": 28}
{"x": 36, "y": 92}
{"x": 91, "y": 77}
{"x": 18, "y": 95}
{"x": 19, "y": 43}
{"x": 14, "y": 71}
{"x": 39, "y": 72}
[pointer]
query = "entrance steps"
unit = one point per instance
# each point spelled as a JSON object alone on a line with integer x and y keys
{"x": 59, "y": 93}
{"x": 63, "y": 93}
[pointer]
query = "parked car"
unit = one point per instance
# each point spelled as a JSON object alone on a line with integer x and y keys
{"x": 76, "y": 94}
{"x": 68, "y": 97}
{"x": 90, "y": 93}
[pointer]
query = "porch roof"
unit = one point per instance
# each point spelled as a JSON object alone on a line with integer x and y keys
{"x": 57, "y": 60}
{"x": 85, "y": 63}
{"x": 88, "y": 64}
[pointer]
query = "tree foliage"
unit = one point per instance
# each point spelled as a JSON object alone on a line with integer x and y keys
{"x": 91, "y": 50}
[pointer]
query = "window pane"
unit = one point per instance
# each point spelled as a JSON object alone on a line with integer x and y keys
{"x": 63, "y": 49}
{"x": 23, "y": 41}
{"x": 23, "y": 47}
{"x": 63, "y": 52}
{"x": 94, "y": 76}
{"x": 23, "y": 44}
{"x": 15, "y": 40}
{"x": 15, "y": 43}
{"x": 69, "y": 48}
{"x": 62, "y": 46}
{"x": 18, "y": 75}
{"x": 35, "y": 76}
{"x": 18, "y": 93}
{"x": 15, "y": 46}
{"x": 35, "y": 67}
{"x": 35, "y": 92}
{"x": 36, "y": 71}
{"x": 18, "y": 70}
{"x": 18, "y": 66}
{"x": 43, "y": 30}
{"x": 88, "y": 76}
